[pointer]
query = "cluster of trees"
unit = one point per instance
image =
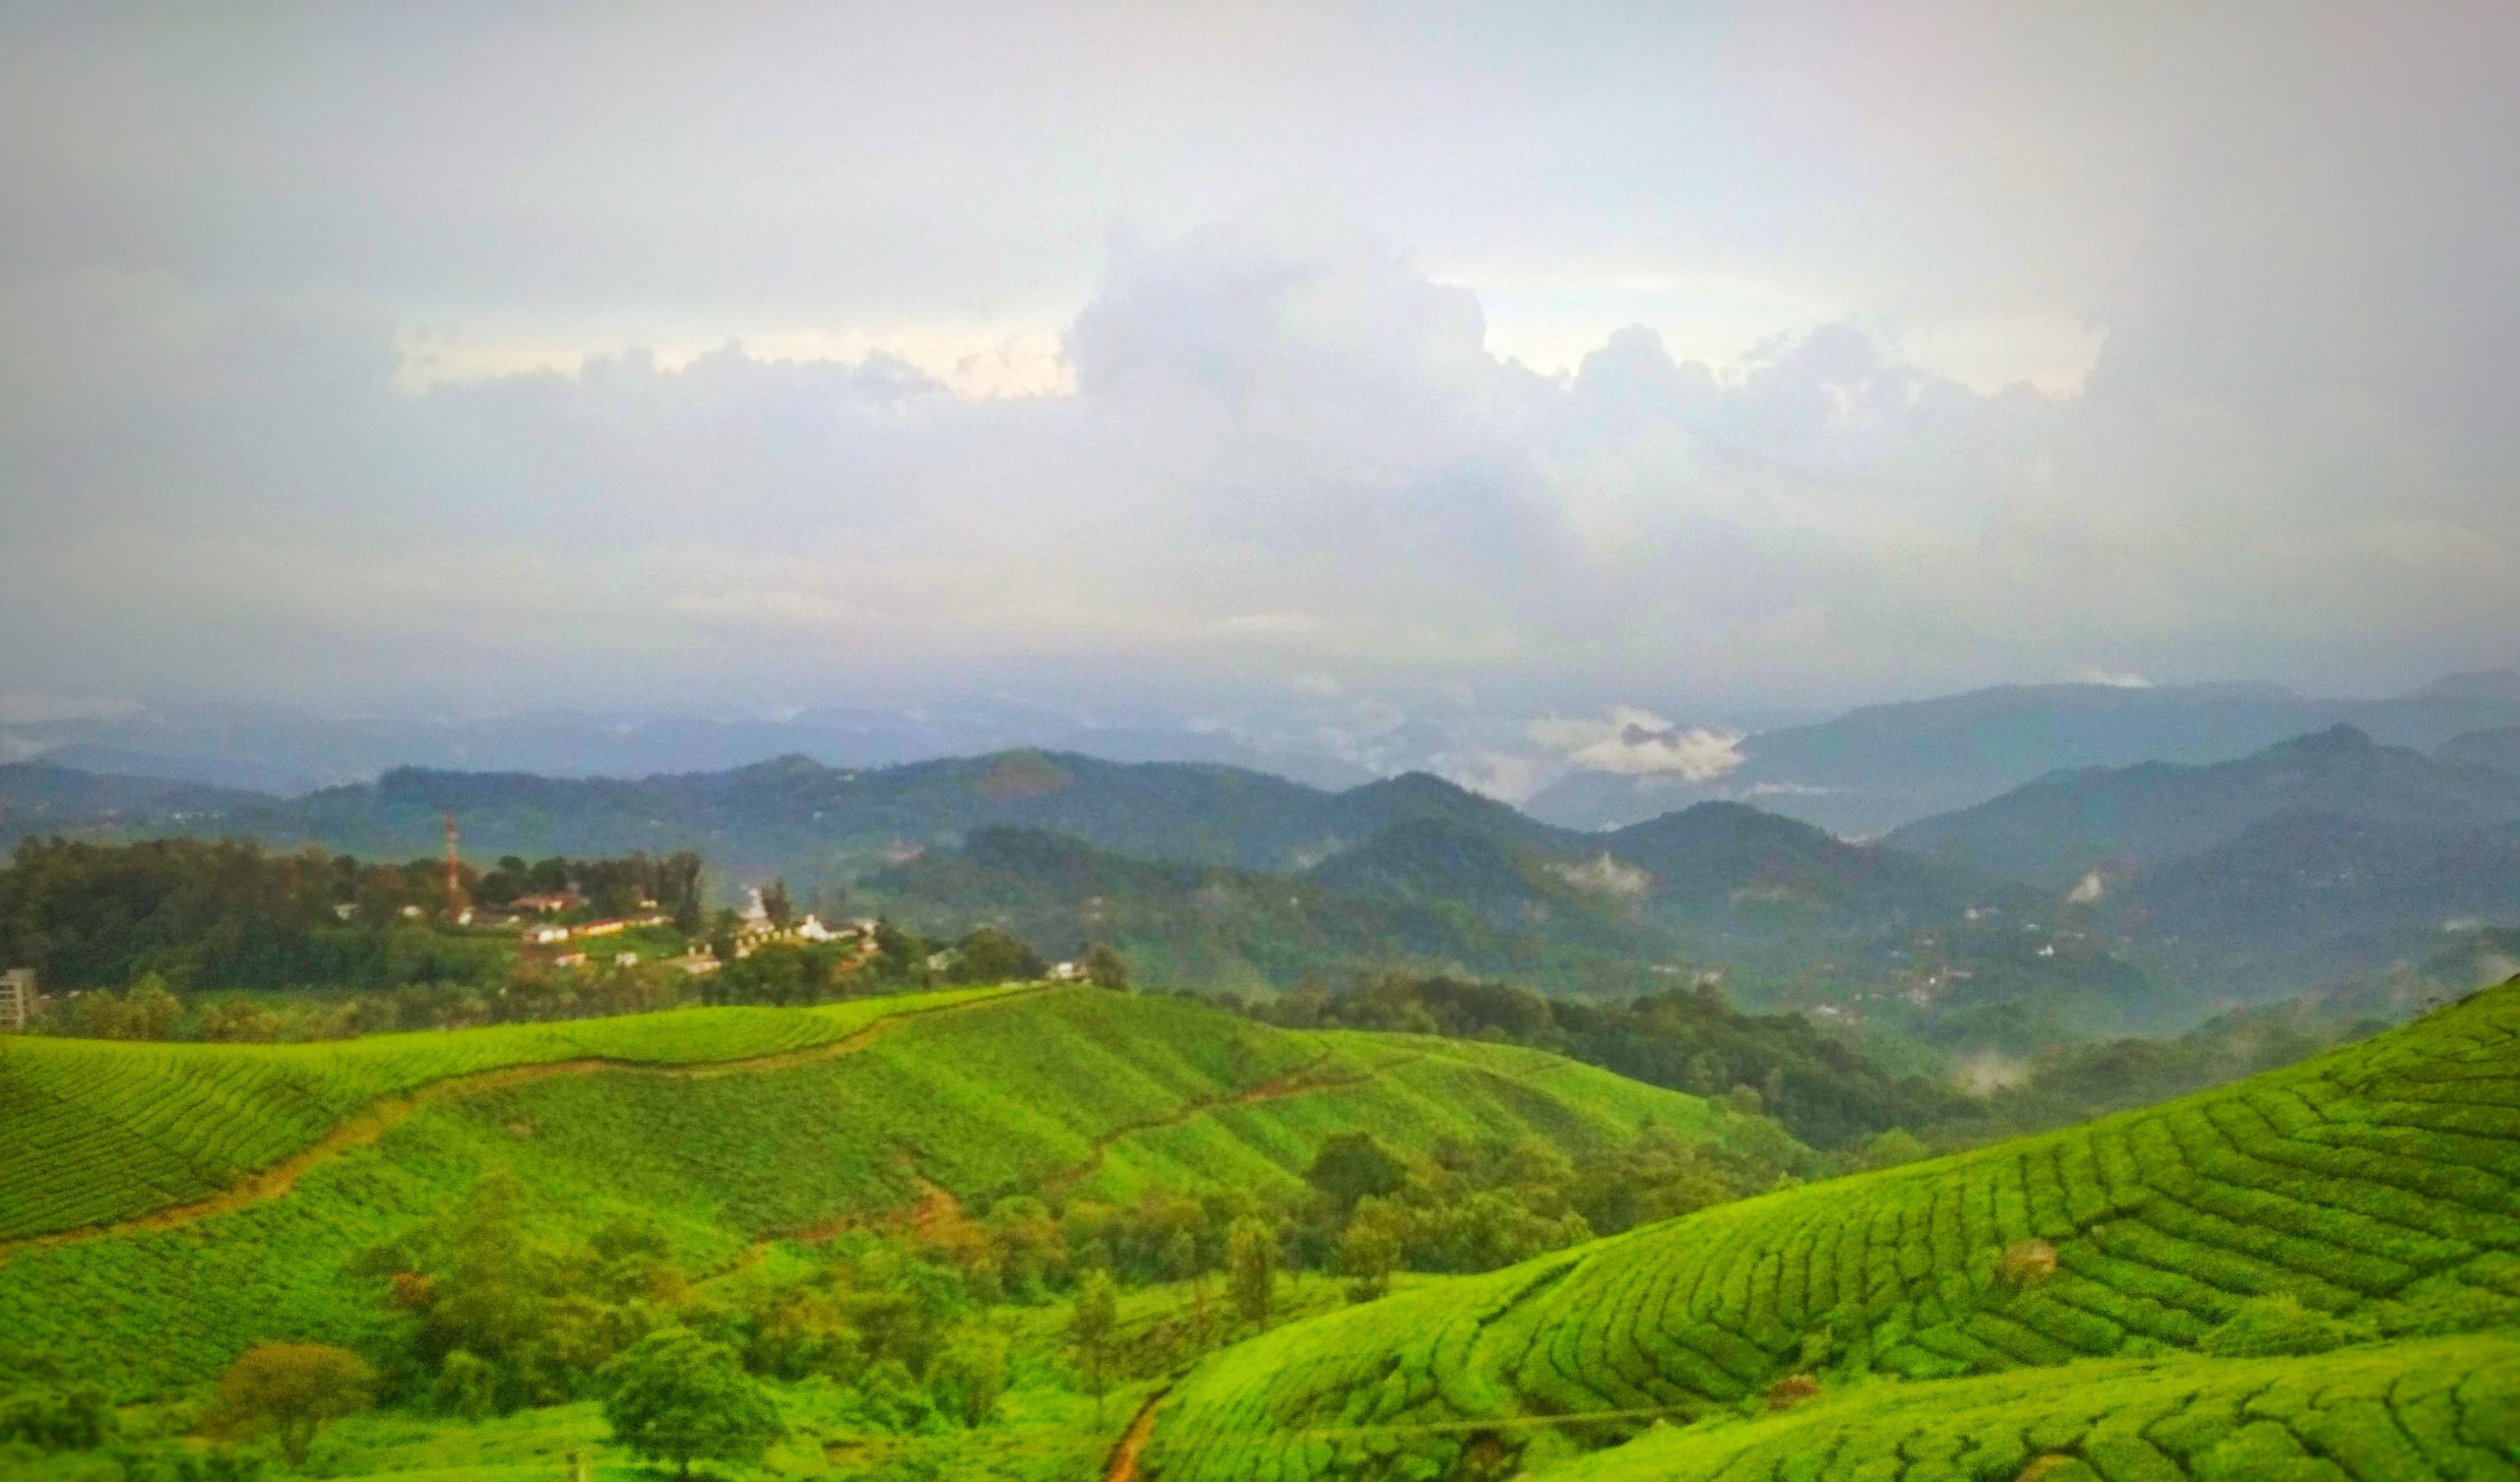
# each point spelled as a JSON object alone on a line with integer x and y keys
{"x": 226, "y": 914}
{"x": 1687, "y": 1039}
{"x": 487, "y": 1314}
{"x": 1465, "y": 1208}
{"x": 527, "y": 992}
{"x": 47, "y": 1412}
{"x": 1825, "y": 1092}
{"x": 895, "y": 960}
{"x": 606, "y": 888}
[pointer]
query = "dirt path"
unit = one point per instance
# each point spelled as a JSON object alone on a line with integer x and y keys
{"x": 380, "y": 1117}
{"x": 1123, "y": 1466}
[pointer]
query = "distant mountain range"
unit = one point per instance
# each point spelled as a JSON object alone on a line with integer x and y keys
{"x": 2312, "y": 860}
{"x": 2105, "y": 894}
{"x": 1215, "y": 877}
{"x": 1875, "y": 769}
{"x": 270, "y": 748}
{"x": 1859, "y": 774}
{"x": 2121, "y": 820}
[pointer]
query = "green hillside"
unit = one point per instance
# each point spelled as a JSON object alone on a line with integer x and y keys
{"x": 2374, "y": 1186}
{"x": 106, "y": 1131}
{"x": 1074, "y": 1089}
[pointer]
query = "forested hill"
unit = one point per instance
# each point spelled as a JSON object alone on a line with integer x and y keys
{"x": 2051, "y": 830}
{"x": 1211, "y": 877}
{"x": 789, "y": 816}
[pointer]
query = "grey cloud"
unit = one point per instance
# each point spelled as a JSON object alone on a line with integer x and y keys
{"x": 1290, "y": 448}
{"x": 1303, "y": 430}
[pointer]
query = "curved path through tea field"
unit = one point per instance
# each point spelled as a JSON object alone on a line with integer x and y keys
{"x": 382, "y": 1115}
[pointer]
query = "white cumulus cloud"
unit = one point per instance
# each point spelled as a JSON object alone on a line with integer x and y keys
{"x": 1639, "y": 743}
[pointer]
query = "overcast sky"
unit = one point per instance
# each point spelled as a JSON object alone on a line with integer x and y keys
{"x": 1550, "y": 358}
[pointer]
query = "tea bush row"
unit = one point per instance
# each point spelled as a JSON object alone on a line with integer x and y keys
{"x": 2381, "y": 1182}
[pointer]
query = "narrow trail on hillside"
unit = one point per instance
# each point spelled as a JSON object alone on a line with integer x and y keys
{"x": 1123, "y": 1466}
{"x": 371, "y": 1123}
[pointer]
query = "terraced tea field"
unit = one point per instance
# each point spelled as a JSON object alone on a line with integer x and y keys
{"x": 2419, "y": 1411}
{"x": 2379, "y": 1184}
{"x": 103, "y": 1131}
{"x": 1074, "y": 1088}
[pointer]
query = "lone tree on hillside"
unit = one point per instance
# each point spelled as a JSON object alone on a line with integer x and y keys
{"x": 291, "y": 1391}
{"x": 1096, "y": 1324}
{"x": 1369, "y": 1249}
{"x": 1251, "y": 1259}
{"x": 676, "y": 1397}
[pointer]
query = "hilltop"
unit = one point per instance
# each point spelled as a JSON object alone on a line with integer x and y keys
{"x": 2361, "y": 1194}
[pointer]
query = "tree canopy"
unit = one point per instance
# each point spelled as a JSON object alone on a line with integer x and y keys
{"x": 676, "y": 1397}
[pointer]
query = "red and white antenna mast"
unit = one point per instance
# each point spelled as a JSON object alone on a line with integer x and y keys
{"x": 453, "y": 879}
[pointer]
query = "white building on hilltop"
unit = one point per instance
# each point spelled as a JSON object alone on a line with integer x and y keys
{"x": 17, "y": 999}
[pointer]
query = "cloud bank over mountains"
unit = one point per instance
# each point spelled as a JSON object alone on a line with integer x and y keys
{"x": 1284, "y": 453}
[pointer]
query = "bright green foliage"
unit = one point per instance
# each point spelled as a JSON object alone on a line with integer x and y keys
{"x": 2395, "y": 1412}
{"x": 1071, "y": 1088}
{"x": 103, "y": 1132}
{"x": 676, "y": 1397}
{"x": 1251, "y": 1268}
{"x": 1090, "y": 1331}
{"x": 2379, "y": 1184}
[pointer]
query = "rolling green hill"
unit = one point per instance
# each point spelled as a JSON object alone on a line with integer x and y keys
{"x": 2376, "y": 1187}
{"x": 1088, "y": 1091}
{"x": 106, "y": 1131}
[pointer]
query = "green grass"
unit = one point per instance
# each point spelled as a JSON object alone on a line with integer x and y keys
{"x": 2417, "y": 1411}
{"x": 100, "y": 1131}
{"x": 1044, "y": 1091}
{"x": 2380, "y": 1182}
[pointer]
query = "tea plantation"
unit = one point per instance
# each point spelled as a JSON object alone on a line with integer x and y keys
{"x": 2438, "y": 1408}
{"x": 1072, "y": 1089}
{"x": 102, "y": 1131}
{"x": 2371, "y": 1193}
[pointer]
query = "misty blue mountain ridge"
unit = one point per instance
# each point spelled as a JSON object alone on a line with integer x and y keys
{"x": 2099, "y": 895}
{"x": 1858, "y": 773}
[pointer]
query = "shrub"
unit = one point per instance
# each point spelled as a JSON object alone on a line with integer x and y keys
{"x": 2026, "y": 1263}
{"x": 1791, "y": 1390}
